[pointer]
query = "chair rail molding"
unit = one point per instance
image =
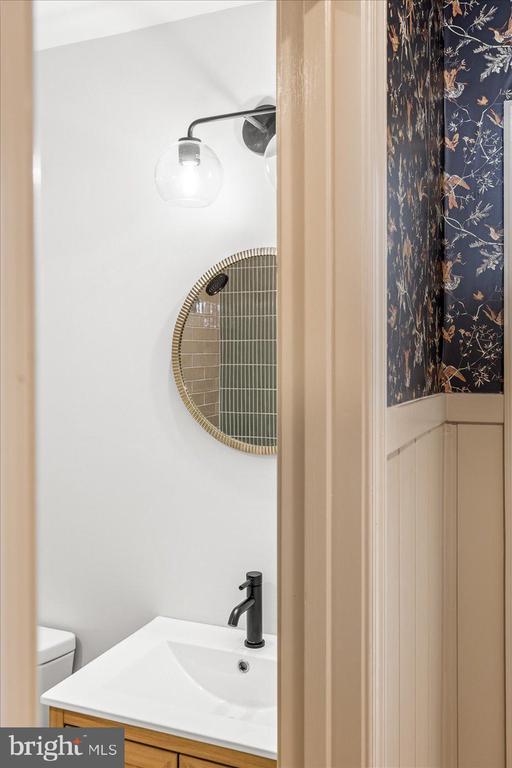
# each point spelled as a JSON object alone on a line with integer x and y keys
{"x": 409, "y": 421}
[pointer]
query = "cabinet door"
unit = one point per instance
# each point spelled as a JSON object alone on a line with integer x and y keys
{"x": 193, "y": 762}
{"x": 140, "y": 756}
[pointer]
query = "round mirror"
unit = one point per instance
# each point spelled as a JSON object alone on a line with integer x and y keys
{"x": 224, "y": 356}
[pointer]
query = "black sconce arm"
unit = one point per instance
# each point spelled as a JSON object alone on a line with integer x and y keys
{"x": 247, "y": 113}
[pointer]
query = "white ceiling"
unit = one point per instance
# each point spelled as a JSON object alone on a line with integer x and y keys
{"x": 60, "y": 22}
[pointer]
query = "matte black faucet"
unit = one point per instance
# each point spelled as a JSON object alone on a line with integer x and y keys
{"x": 253, "y": 605}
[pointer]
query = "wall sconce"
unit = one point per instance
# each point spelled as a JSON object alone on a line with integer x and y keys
{"x": 189, "y": 173}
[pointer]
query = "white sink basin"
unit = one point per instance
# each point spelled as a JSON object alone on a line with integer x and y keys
{"x": 183, "y": 678}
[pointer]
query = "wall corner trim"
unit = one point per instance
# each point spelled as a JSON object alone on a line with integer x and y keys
{"x": 507, "y": 431}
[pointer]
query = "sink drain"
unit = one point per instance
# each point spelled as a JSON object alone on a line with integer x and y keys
{"x": 243, "y": 666}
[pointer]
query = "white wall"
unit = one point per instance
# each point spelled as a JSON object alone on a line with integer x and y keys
{"x": 141, "y": 512}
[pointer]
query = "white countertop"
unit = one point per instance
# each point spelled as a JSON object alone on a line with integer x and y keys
{"x": 182, "y": 678}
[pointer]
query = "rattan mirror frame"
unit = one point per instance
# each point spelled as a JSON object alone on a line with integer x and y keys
{"x": 218, "y": 434}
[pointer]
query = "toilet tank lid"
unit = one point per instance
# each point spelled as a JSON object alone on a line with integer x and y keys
{"x": 53, "y": 643}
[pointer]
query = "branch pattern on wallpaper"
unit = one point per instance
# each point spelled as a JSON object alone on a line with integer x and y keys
{"x": 463, "y": 351}
{"x": 478, "y": 78}
{"x": 415, "y": 130}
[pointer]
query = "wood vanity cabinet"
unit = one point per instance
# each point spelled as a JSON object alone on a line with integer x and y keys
{"x": 141, "y": 756}
{"x": 152, "y": 749}
{"x": 192, "y": 762}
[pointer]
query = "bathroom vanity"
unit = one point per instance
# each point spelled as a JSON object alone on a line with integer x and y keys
{"x": 152, "y": 749}
{"x": 188, "y": 696}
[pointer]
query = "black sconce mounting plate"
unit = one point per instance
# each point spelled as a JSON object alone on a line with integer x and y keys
{"x": 258, "y": 131}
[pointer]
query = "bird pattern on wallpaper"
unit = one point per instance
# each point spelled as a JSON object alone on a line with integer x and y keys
{"x": 445, "y": 194}
{"x": 415, "y": 136}
{"x": 478, "y": 79}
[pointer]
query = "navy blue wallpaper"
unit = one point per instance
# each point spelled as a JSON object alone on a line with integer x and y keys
{"x": 478, "y": 78}
{"x": 415, "y": 145}
{"x": 445, "y": 194}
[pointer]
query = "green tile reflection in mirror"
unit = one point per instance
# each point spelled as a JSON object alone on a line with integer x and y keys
{"x": 224, "y": 351}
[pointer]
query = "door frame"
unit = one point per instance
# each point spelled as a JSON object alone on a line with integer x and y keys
{"x": 332, "y": 241}
{"x": 332, "y": 387}
{"x": 17, "y": 434}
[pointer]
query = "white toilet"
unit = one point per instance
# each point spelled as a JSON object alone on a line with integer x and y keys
{"x": 55, "y": 655}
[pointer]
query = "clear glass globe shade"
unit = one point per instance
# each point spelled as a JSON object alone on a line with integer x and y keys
{"x": 189, "y": 174}
{"x": 270, "y": 158}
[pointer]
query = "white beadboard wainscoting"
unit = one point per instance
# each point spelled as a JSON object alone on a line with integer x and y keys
{"x": 443, "y": 551}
